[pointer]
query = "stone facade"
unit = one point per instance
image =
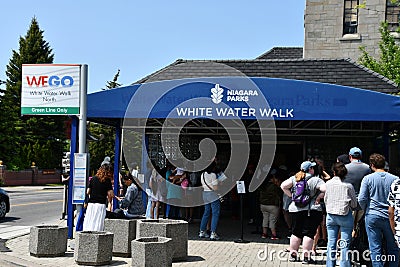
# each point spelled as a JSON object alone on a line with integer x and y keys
{"x": 177, "y": 230}
{"x": 323, "y": 35}
{"x": 93, "y": 248}
{"x": 48, "y": 240}
{"x": 124, "y": 232}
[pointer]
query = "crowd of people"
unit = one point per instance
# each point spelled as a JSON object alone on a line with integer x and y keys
{"x": 318, "y": 208}
{"x": 358, "y": 195}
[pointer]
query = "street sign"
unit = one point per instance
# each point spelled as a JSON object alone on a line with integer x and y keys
{"x": 65, "y": 163}
{"x": 50, "y": 89}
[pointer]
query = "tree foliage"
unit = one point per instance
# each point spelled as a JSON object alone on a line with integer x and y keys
{"x": 104, "y": 147}
{"x": 388, "y": 63}
{"x": 28, "y": 138}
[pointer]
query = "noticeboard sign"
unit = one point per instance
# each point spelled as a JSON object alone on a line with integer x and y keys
{"x": 50, "y": 89}
{"x": 79, "y": 178}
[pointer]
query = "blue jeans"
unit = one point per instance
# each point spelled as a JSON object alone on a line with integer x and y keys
{"x": 333, "y": 224}
{"x": 375, "y": 227}
{"x": 210, "y": 208}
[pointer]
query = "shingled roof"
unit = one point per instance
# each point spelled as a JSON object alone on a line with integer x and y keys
{"x": 283, "y": 53}
{"x": 334, "y": 71}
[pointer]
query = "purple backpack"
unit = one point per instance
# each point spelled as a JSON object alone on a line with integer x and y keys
{"x": 301, "y": 193}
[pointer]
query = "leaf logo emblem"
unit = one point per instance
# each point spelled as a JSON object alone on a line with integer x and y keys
{"x": 217, "y": 94}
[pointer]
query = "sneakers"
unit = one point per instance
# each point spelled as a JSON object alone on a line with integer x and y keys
{"x": 203, "y": 234}
{"x": 274, "y": 237}
{"x": 293, "y": 257}
{"x": 264, "y": 235}
{"x": 309, "y": 261}
{"x": 214, "y": 236}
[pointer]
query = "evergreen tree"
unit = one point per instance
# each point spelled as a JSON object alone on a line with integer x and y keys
{"x": 114, "y": 83}
{"x": 105, "y": 147}
{"x": 28, "y": 138}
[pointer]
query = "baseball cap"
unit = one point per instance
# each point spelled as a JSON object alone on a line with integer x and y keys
{"x": 106, "y": 161}
{"x": 306, "y": 165}
{"x": 355, "y": 151}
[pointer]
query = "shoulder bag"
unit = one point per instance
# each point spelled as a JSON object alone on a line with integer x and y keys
{"x": 221, "y": 198}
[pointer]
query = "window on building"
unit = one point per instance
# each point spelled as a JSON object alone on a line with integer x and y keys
{"x": 350, "y": 17}
{"x": 392, "y": 15}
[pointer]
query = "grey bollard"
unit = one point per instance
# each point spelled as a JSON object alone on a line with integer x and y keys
{"x": 124, "y": 232}
{"x": 48, "y": 240}
{"x": 177, "y": 230}
{"x": 152, "y": 251}
{"x": 93, "y": 248}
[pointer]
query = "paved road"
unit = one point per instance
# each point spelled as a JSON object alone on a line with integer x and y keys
{"x": 31, "y": 206}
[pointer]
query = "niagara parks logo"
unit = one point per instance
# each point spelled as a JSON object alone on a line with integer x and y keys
{"x": 217, "y": 94}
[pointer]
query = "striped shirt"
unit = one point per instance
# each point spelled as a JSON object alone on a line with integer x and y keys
{"x": 394, "y": 201}
{"x": 339, "y": 197}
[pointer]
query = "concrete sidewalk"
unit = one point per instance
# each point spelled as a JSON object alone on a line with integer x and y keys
{"x": 202, "y": 252}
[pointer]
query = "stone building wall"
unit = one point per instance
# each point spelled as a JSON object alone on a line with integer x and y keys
{"x": 323, "y": 36}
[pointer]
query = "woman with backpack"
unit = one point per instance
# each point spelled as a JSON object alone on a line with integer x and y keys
{"x": 306, "y": 191}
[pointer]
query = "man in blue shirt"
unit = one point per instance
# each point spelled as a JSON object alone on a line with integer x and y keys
{"x": 372, "y": 198}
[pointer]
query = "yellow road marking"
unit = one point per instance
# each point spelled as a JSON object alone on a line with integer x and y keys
{"x": 35, "y": 203}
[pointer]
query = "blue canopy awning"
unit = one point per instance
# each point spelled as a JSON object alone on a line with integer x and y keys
{"x": 245, "y": 98}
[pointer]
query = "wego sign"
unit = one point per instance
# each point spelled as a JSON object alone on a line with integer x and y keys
{"x": 50, "y": 89}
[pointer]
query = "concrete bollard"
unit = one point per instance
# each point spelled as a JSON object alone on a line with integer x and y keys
{"x": 177, "y": 230}
{"x": 124, "y": 232}
{"x": 152, "y": 251}
{"x": 93, "y": 248}
{"x": 48, "y": 240}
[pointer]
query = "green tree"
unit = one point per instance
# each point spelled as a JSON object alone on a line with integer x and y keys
{"x": 114, "y": 83}
{"x": 42, "y": 135}
{"x": 388, "y": 63}
{"x": 104, "y": 147}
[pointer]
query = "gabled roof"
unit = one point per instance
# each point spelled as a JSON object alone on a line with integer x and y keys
{"x": 334, "y": 71}
{"x": 283, "y": 53}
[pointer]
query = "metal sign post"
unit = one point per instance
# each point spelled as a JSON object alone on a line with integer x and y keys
{"x": 241, "y": 191}
{"x": 81, "y": 144}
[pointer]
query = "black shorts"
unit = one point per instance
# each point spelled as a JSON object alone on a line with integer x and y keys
{"x": 305, "y": 225}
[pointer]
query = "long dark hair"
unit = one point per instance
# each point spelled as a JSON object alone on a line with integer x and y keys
{"x": 339, "y": 170}
{"x": 211, "y": 167}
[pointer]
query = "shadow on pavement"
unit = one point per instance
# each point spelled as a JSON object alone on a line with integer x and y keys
{"x": 9, "y": 219}
{"x": 3, "y": 247}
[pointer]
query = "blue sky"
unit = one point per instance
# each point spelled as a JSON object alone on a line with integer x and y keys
{"x": 140, "y": 37}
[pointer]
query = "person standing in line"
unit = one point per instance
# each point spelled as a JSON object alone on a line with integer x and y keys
{"x": 270, "y": 195}
{"x": 158, "y": 188}
{"x": 373, "y": 199}
{"x": 305, "y": 219}
{"x": 212, "y": 204}
{"x": 100, "y": 193}
{"x": 320, "y": 238}
{"x": 340, "y": 198}
{"x": 394, "y": 210}
{"x": 356, "y": 170}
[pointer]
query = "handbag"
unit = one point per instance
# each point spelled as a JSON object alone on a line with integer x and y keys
{"x": 221, "y": 198}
